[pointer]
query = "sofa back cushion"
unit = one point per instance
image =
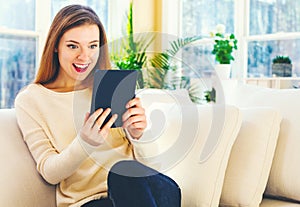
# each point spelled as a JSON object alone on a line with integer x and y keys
{"x": 20, "y": 183}
{"x": 193, "y": 144}
{"x": 251, "y": 157}
{"x": 284, "y": 176}
{"x": 201, "y": 171}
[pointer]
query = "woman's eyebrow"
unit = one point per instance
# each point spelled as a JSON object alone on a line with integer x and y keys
{"x": 95, "y": 41}
{"x": 73, "y": 41}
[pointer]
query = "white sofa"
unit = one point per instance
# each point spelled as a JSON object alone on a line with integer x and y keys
{"x": 242, "y": 151}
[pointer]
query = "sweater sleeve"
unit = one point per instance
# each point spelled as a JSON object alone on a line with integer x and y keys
{"x": 144, "y": 151}
{"x": 54, "y": 166}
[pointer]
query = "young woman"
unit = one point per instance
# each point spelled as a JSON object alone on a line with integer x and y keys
{"x": 65, "y": 139}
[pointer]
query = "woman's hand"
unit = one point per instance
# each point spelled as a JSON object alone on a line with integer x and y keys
{"x": 91, "y": 131}
{"x": 134, "y": 119}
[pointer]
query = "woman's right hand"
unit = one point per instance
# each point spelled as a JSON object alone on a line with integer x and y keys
{"x": 92, "y": 132}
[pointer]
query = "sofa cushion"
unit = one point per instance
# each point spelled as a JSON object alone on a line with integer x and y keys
{"x": 158, "y": 105}
{"x": 284, "y": 176}
{"x": 200, "y": 173}
{"x": 267, "y": 202}
{"x": 251, "y": 157}
{"x": 193, "y": 144}
{"x": 21, "y": 185}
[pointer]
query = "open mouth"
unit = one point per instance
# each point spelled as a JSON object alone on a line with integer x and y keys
{"x": 80, "y": 68}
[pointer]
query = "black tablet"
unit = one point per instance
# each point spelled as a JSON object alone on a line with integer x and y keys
{"x": 113, "y": 89}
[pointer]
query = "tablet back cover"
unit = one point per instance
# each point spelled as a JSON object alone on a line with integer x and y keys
{"x": 113, "y": 89}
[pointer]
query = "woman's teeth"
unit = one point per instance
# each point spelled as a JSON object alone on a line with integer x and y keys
{"x": 80, "y": 68}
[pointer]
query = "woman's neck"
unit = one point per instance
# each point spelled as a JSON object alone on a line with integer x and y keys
{"x": 54, "y": 86}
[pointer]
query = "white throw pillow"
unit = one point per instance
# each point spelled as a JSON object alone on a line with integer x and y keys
{"x": 190, "y": 143}
{"x": 251, "y": 158}
{"x": 193, "y": 147}
{"x": 200, "y": 174}
{"x": 159, "y": 104}
{"x": 284, "y": 176}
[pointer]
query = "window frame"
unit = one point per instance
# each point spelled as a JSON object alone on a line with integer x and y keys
{"x": 172, "y": 8}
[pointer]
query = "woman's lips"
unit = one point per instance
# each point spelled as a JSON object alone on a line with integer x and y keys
{"x": 80, "y": 68}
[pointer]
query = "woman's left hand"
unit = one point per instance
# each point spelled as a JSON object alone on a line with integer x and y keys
{"x": 134, "y": 119}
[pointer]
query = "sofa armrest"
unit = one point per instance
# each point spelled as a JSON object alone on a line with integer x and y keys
{"x": 20, "y": 183}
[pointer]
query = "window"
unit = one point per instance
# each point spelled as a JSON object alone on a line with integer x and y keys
{"x": 199, "y": 18}
{"x": 264, "y": 28}
{"x": 17, "y": 14}
{"x": 18, "y": 48}
{"x": 100, "y": 6}
{"x": 274, "y": 27}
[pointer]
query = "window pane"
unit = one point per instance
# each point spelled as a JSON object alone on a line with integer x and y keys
{"x": 197, "y": 60}
{"x": 17, "y": 14}
{"x": 271, "y": 16}
{"x": 17, "y": 66}
{"x": 99, "y": 6}
{"x": 200, "y": 17}
{"x": 261, "y": 53}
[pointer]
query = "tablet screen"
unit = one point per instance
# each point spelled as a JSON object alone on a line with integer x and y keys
{"x": 113, "y": 89}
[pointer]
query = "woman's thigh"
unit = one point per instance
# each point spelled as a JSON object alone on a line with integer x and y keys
{"x": 133, "y": 184}
{"x": 103, "y": 202}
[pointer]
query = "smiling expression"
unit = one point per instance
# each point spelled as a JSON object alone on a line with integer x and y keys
{"x": 78, "y": 52}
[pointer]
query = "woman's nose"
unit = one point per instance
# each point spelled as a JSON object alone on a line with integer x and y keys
{"x": 83, "y": 54}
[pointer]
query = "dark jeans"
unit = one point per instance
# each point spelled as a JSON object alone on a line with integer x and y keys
{"x": 132, "y": 184}
{"x": 103, "y": 202}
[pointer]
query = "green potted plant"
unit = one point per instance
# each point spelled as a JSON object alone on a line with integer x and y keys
{"x": 129, "y": 53}
{"x": 210, "y": 95}
{"x": 282, "y": 66}
{"x": 164, "y": 62}
{"x": 224, "y": 45}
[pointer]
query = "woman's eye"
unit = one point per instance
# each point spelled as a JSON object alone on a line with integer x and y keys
{"x": 72, "y": 46}
{"x": 94, "y": 46}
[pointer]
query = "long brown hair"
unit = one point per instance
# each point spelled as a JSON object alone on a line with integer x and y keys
{"x": 67, "y": 18}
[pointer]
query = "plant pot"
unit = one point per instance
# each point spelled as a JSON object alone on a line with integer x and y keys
{"x": 223, "y": 71}
{"x": 282, "y": 69}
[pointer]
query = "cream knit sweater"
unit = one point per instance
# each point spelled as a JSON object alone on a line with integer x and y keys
{"x": 50, "y": 122}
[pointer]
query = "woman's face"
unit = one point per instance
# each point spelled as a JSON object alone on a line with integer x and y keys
{"x": 78, "y": 52}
